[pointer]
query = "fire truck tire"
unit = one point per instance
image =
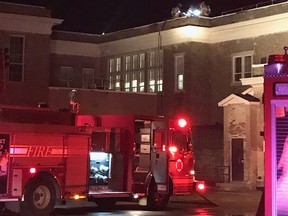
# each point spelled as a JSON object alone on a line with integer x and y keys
{"x": 39, "y": 198}
{"x": 105, "y": 202}
{"x": 155, "y": 200}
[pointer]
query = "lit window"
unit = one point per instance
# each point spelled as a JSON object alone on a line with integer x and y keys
{"x": 118, "y": 64}
{"x": 155, "y": 58}
{"x": 118, "y": 83}
{"x": 180, "y": 79}
{"x": 16, "y": 58}
{"x": 66, "y": 74}
{"x": 134, "y": 82}
{"x": 179, "y": 71}
{"x": 159, "y": 80}
{"x": 128, "y": 63}
{"x": 141, "y": 81}
{"x": 135, "y": 62}
{"x": 115, "y": 82}
{"x": 111, "y": 86}
{"x": 142, "y": 60}
{"x": 127, "y": 83}
{"x": 111, "y": 65}
{"x": 152, "y": 59}
{"x": 152, "y": 80}
{"x": 242, "y": 66}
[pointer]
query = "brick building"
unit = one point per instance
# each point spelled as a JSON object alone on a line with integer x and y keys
{"x": 204, "y": 67}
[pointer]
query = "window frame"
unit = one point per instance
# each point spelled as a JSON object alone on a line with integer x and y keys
{"x": 241, "y": 56}
{"x": 118, "y": 64}
{"x": 128, "y": 63}
{"x": 11, "y": 58}
{"x": 68, "y": 82}
{"x": 178, "y": 73}
{"x": 86, "y": 72}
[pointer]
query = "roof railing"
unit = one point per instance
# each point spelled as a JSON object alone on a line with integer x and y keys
{"x": 249, "y": 7}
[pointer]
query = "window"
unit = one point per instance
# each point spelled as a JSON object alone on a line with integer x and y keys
{"x": 111, "y": 65}
{"x": 66, "y": 76}
{"x": 135, "y": 82}
{"x": 151, "y": 80}
{"x": 179, "y": 71}
{"x": 128, "y": 63}
{"x": 115, "y": 82}
{"x": 152, "y": 59}
{"x": 134, "y": 73}
{"x": 118, "y": 83}
{"x": 118, "y": 64}
{"x": 135, "y": 62}
{"x": 127, "y": 82}
{"x": 16, "y": 56}
{"x": 142, "y": 60}
{"x": 155, "y": 74}
{"x": 141, "y": 81}
{"x": 242, "y": 66}
{"x": 88, "y": 78}
{"x": 155, "y": 58}
{"x": 155, "y": 80}
{"x": 159, "y": 80}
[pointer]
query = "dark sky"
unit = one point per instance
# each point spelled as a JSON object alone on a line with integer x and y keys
{"x": 97, "y": 16}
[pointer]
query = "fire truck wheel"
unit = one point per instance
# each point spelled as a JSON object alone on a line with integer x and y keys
{"x": 105, "y": 202}
{"x": 156, "y": 200}
{"x": 39, "y": 198}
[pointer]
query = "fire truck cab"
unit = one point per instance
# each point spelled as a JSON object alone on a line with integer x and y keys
{"x": 181, "y": 158}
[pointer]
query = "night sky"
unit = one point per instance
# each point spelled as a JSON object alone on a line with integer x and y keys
{"x": 97, "y": 16}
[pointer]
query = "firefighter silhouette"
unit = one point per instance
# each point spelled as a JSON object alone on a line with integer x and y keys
{"x": 205, "y": 9}
{"x": 176, "y": 11}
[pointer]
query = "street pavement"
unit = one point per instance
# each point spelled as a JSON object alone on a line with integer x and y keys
{"x": 213, "y": 202}
{"x": 238, "y": 202}
{"x": 228, "y": 203}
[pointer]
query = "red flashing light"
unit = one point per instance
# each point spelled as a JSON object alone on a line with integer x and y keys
{"x": 173, "y": 149}
{"x": 32, "y": 170}
{"x": 200, "y": 186}
{"x": 182, "y": 122}
{"x": 273, "y": 59}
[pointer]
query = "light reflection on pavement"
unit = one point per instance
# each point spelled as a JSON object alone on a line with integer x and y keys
{"x": 215, "y": 203}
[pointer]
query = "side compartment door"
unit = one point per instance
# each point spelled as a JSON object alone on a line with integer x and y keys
{"x": 159, "y": 157}
{"x": 77, "y": 164}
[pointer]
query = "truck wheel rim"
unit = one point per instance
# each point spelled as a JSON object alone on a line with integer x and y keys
{"x": 41, "y": 197}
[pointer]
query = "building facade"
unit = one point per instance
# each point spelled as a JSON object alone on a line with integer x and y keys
{"x": 195, "y": 66}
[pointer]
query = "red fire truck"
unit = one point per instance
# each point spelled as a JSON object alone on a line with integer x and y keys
{"x": 55, "y": 156}
{"x": 274, "y": 202}
{"x": 181, "y": 158}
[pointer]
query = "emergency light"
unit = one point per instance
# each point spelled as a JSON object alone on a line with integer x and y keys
{"x": 201, "y": 186}
{"x": 273, "y": 59}
{"x": 182, "y": 122}
{"x": 173, "y": 149}
{"x": 32, "y": 170}
{"x": 277, "y": 65}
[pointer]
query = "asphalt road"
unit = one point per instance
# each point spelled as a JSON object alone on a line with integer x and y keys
{"x": 213, "y": 203}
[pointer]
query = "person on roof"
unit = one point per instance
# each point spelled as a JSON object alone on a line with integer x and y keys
{"x": 176, "y": 11}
